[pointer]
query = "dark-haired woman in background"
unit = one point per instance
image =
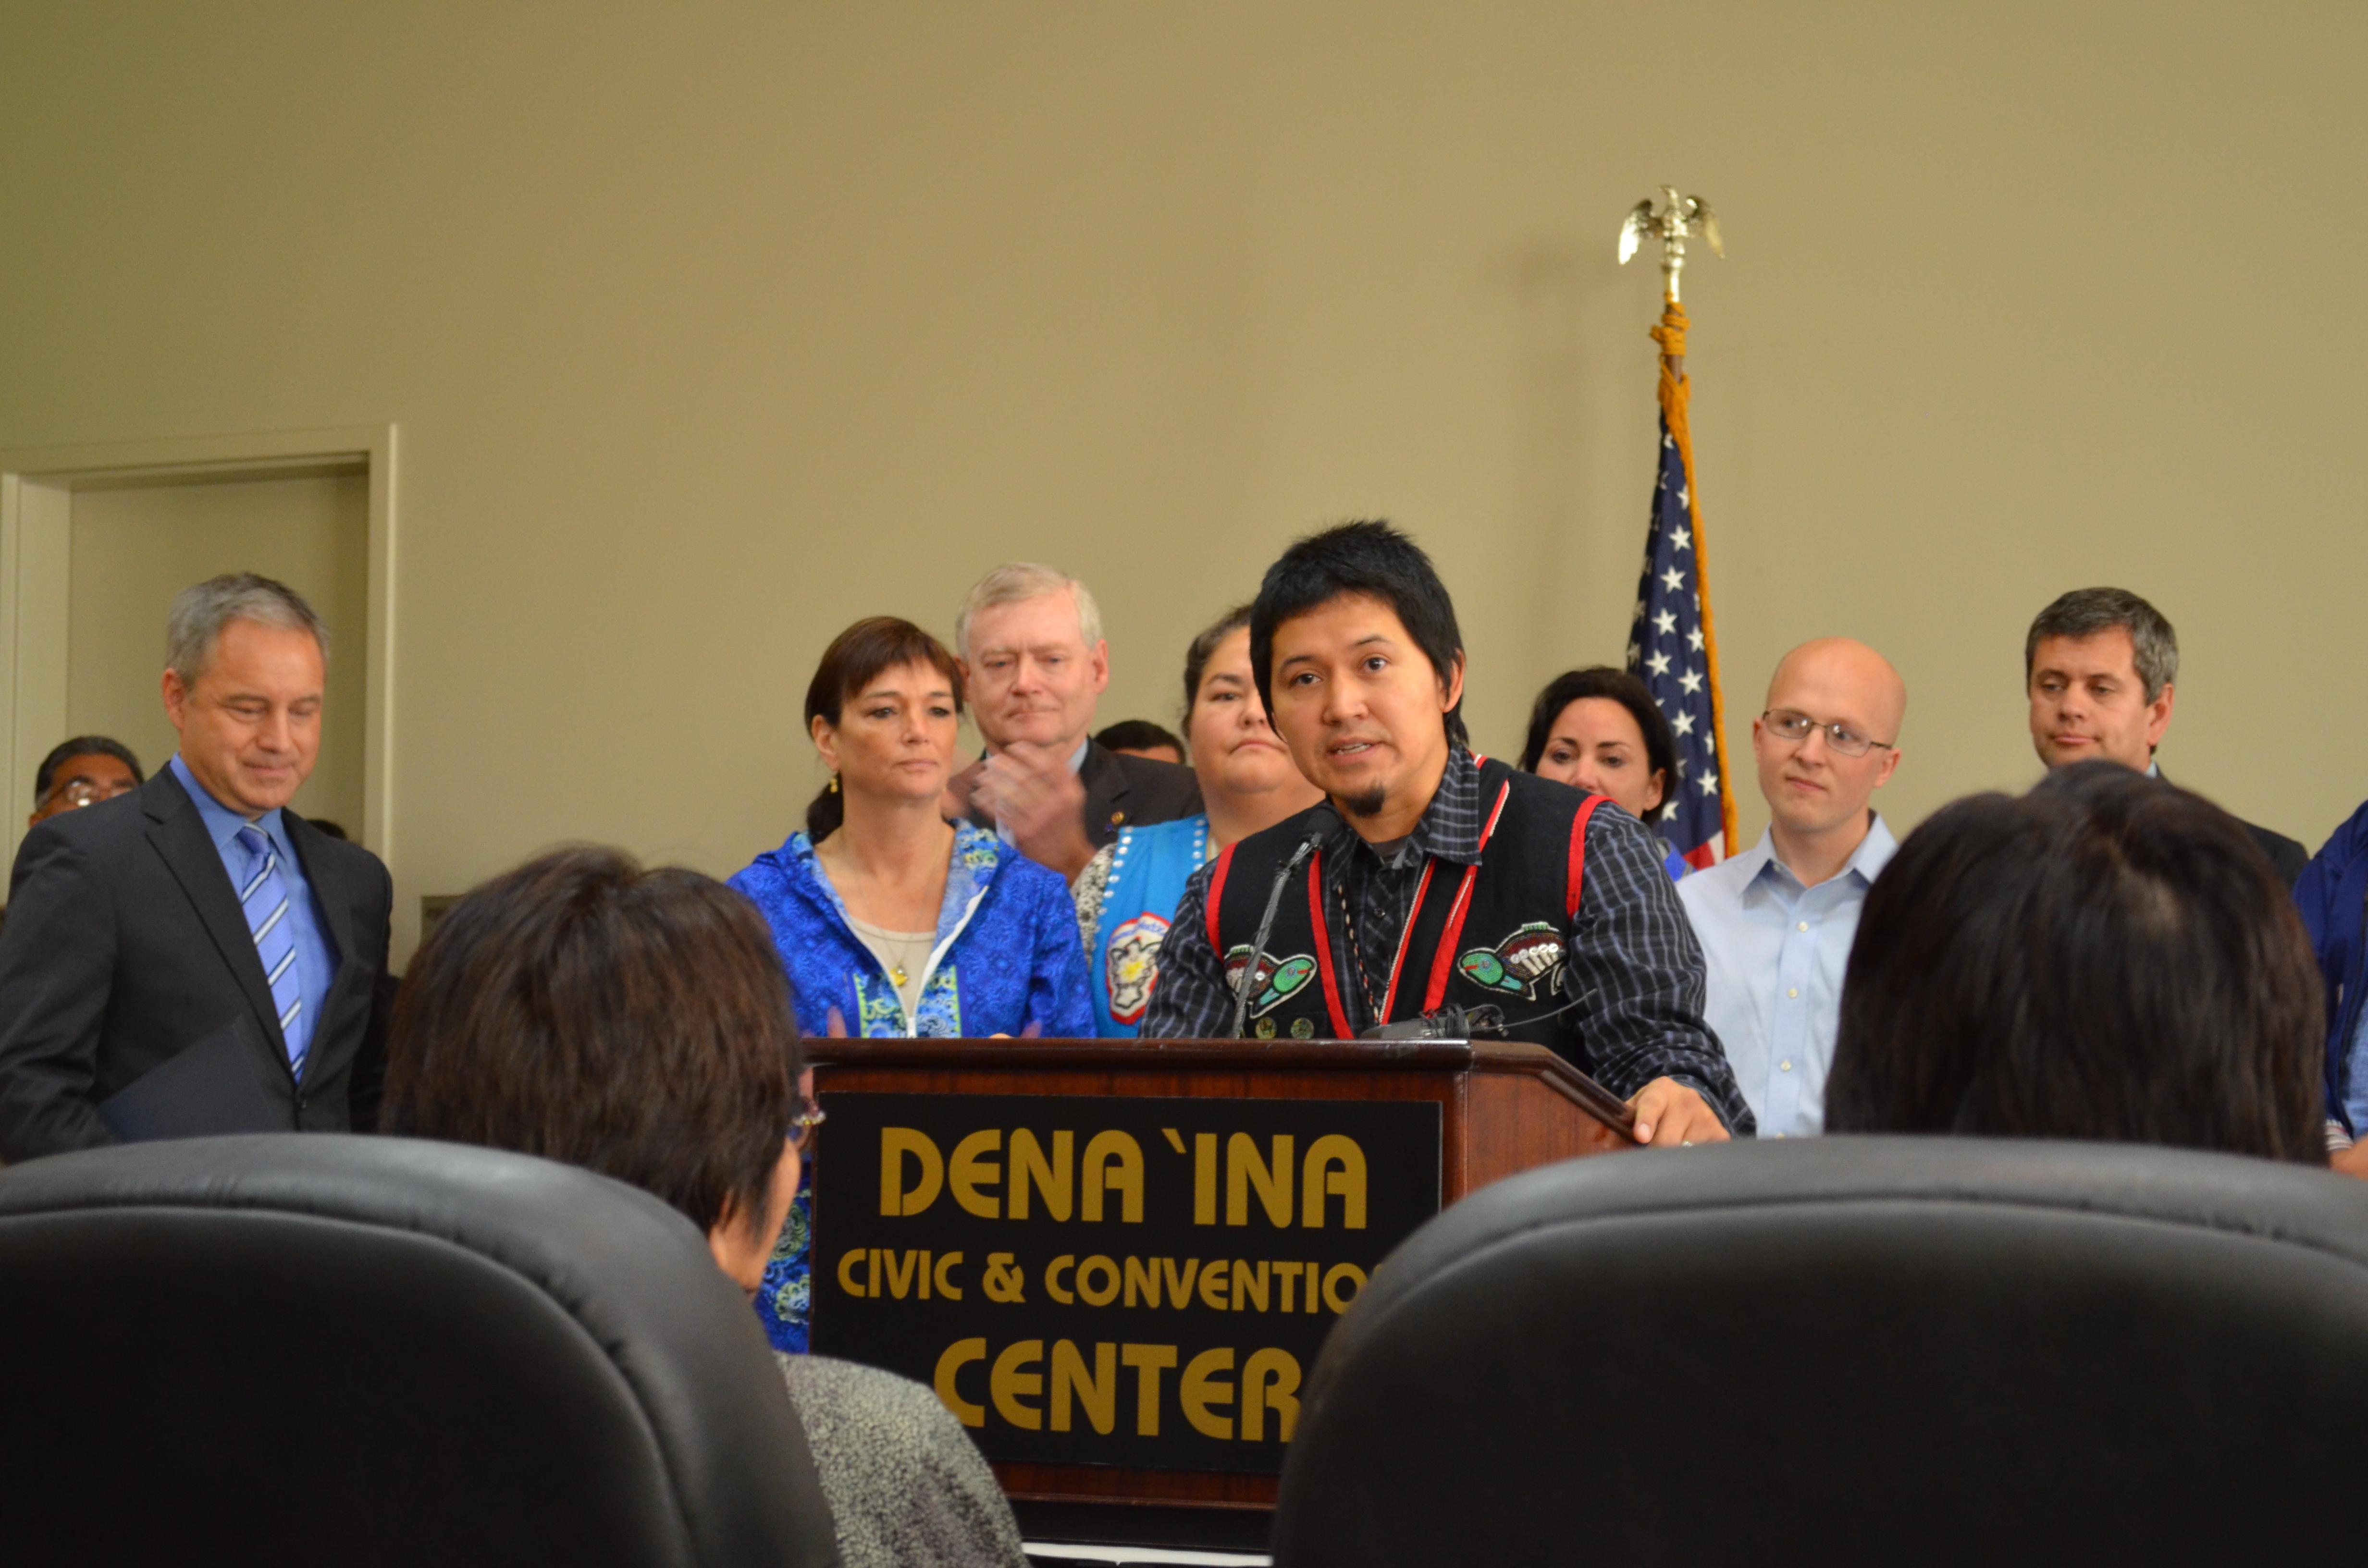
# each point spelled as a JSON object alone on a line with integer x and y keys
{"x": 1128, "y": 891}
{"x": 635, "y": 1022}
{"x": 2107, "y": 956}
{"x": 1599, "y": 729}
{"x": 891, "y": 920}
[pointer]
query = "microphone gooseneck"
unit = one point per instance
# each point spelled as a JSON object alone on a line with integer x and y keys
{"x": 1322, "y": 822}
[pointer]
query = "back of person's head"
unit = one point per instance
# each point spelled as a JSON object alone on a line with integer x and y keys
{"x": 857, "y": 657}
{"x": 2107, "y": 956}
{"x": 1368, "y": 558}
{"x": 2089, "y": 612}
{"x": 634, "y": 1022}
{"x": 1616, "y": 686}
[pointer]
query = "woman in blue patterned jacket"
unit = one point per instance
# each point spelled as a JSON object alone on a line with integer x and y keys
{"x": 891, "y": 920}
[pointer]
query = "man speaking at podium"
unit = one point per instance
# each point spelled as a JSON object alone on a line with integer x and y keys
{"x": 1431, "y": 878}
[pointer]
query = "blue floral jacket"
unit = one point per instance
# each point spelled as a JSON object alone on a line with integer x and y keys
{"x": 1007, "y": 961}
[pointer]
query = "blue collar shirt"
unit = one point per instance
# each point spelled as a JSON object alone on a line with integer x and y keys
{"x": 1776, "y": 953}
{"x": 316, "y": 959}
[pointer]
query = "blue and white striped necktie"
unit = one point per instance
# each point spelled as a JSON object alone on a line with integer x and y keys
{"x": 265, "y": 896}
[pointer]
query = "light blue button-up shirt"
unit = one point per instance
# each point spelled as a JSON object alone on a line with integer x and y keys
{"x": 1776, "y": 953}
{"x": 316, "y": 959}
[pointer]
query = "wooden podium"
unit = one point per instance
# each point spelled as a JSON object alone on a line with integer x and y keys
{"x": 1502, "y": 1107}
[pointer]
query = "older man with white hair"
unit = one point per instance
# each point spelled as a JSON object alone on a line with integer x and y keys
{"x": 1035, "y": 662}
{"x": 193, "y": 957}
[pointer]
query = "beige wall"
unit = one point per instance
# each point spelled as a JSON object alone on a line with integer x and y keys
{"x": 711, "y": 328}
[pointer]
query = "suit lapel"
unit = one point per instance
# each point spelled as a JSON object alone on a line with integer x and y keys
{"x": 179, "y": 835}
{"x": 1107, "y": 788}
{"x": 331, "y": 897}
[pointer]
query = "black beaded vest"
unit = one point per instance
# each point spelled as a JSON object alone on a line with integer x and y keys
{"x": 1491, "y": 932}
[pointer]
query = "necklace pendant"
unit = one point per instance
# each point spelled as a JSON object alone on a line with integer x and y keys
{"x": 897, "y": 974}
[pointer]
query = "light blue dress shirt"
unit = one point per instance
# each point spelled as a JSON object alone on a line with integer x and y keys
{"x": 316, "y": 959}
{"x": 2357, "y": 1104}
{"x": 1776, "y": 954}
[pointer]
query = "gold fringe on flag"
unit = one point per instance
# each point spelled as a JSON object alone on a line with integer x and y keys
{"x": 1675, "y": 391}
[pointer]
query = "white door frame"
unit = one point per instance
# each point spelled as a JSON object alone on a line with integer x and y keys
{"x": 37, "y": 487}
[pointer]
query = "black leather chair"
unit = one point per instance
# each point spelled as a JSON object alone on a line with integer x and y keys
{"x": 338, "y": 1349}
{"x": 1852, "y": 1350}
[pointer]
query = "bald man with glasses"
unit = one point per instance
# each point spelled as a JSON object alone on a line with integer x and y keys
{"x": 1777, "y": 922}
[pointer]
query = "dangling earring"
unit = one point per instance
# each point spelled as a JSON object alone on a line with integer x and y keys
{"x": 834, "y": 783}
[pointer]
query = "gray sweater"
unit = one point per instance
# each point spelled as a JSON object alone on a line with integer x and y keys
{"x": 904, "y": 1482}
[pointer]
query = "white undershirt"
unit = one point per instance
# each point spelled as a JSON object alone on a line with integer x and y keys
{"x": 904, "y": 954}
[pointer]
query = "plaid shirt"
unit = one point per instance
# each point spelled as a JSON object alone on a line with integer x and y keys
{"x": 1629, "y": 943}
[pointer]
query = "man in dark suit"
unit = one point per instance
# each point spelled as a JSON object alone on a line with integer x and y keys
{"x": 2100, "y": 667}
{"x": 193, "y": 957}
{"x": 1034, "y": 663}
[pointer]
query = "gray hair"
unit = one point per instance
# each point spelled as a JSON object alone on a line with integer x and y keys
{"x": 201, "y": 613}
{"x": 2085, "y": 612}
{"x": 1026, "y": 580}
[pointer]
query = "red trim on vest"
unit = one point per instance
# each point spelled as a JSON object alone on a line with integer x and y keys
{"x": 1577, "y": 876}
{"x": 1390, "y": 996}
{"x": 1217, "y": 899}
{"x": 1443, "y": 962}
{"x": 1324, "y": 946}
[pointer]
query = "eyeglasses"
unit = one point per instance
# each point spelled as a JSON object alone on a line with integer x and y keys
{"x": 1796, "y": 726}
{"x": 801, "y": 1133}
{"x": 89, "y": 791}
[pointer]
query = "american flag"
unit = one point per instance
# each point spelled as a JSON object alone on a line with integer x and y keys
{"x": 1669, "y": 648}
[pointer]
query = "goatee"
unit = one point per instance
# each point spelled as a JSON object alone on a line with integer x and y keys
{"x": 1368, "y": 804}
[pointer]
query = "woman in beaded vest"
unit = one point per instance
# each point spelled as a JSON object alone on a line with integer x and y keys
{"x": 1127, "y": 893}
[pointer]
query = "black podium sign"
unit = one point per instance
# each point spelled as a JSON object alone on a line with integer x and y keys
{"x": 1110, "y": 1279}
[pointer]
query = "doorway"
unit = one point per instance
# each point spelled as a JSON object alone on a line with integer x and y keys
{"x": 95, "y": 542}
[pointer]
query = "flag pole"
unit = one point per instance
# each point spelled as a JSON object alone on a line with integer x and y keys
{"x": 1679, "y": 219}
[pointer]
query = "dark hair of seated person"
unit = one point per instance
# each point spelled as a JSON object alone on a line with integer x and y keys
{"x": 1138, "y": 736}
{"x": 634, "y": 1022}
{"x": 2107, "y": 956}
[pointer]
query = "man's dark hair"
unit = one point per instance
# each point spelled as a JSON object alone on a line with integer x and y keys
{"x": 2086, "y": 612}
{"x": 854, "y": 660}
{"x": 633, "y": 1022}
{"x": 2108, "y": 957}
{"x": 1619, "y": 686}
{"x": 1203, "y": 649}
{"x": 82, "y": 746}
{"x": 1136, "y": 735}
{"x": 1370, "y": 558}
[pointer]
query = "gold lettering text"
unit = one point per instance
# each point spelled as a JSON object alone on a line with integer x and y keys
{"x": 960, "y": 1354}
{"x": 1148, "y": 1361}
{"x": 970, "y": 1173}
{"x": 1097, "y": 1393}
{"x": 895, "y": 1197}
{"x": 1114, "y": 1163}
{"x": 1245, "y": 1170}
{"x": 1200, "y": 1388}
{"x": 1005, "y": 1384}
{"x": 1270, "y": 1381}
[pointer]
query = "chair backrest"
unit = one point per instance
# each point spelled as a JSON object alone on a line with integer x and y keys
{"x": 1851, "y": 1349}
{"x": 288, "y": 1348}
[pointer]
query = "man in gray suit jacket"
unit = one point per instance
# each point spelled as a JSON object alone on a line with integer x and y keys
{"x": 193, "y": 957}
{"x": 1035, "y": 664}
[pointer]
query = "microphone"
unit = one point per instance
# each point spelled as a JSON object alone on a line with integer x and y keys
{"x": 1454, "y": 1021}
{"x": 1322, "y": 823}
{"x": 1483, "y": 1021}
